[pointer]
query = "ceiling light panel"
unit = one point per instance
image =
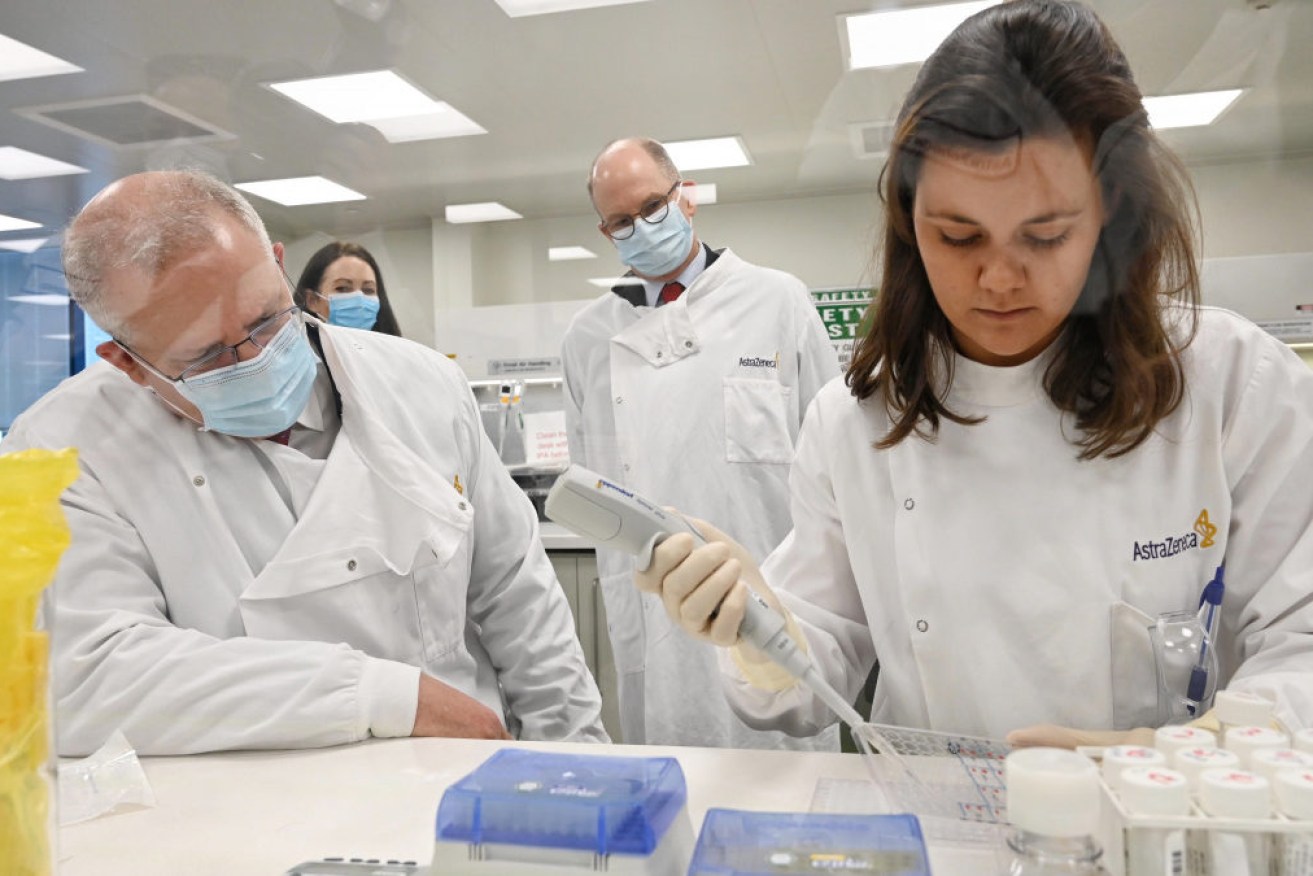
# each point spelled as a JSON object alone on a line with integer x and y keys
{"x": 520, "y": 8}
{"x": 703, "y": 154}
{"x": 569, "y": 253}
{"x": 702, "y": 194}
{"x": 21, "y": 61}
{"x": 903, "y": 36}
{"x": 13, "y": 223}
{"x": 18, "y": 163}
{"x": 27, "y": 244}
{"x": 489, "y": 211}
{"x": 382, "y": 99}
{"x": 301, "y": 190}
{"x": 1189, "y": 110}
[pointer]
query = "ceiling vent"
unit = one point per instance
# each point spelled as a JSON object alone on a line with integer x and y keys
{"x": 871, "y": 139}
{"x": 129, "y": 121}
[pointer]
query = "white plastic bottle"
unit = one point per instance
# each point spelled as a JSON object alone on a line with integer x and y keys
{"x": 1155, "y": 791}
{"x": 1225, "y": 793}
{"x": 1294, "y": 851}
{"x": 1268, "y": 762}
{"x": 1238, "y": 708}
{"x": 1172, "y": 739}
{"x": 1244, "y": 741}
{"x": 1053, "y": 798}
{"x": 1121, "y": 757}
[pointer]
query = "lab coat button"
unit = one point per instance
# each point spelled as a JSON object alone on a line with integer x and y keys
{"x": 688, "y": 345}
{"x": 619, "y": 400}
{"x": 199, "y": 480}
{"x": 462, "y": 506}
{"x": 658, "y": 355}
{"x": 922, "y": 626}
{"x": 909, "y": 504}
{"x": 350, "y": 565}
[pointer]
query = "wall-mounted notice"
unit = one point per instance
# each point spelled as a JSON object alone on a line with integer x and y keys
{"x": 547, "y": 364}
{"x": 841, "y": 312}
{"x": 1289, "y": 330}
{"x": 545, "y": 442}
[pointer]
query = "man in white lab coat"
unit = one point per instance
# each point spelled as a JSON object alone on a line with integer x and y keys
{"x": 687, "y": 382}
{"x": 371, "y": 569}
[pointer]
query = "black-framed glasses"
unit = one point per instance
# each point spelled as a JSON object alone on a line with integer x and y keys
{"x": 653, "y": 212}
{"x": 260, "y": 337}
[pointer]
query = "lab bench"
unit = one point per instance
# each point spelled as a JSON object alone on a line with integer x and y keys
{"x": 261, "y": 812}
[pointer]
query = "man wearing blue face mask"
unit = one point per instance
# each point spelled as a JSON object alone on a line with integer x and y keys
{"x": 688, "y": 382}
{"x": 285, "y": 533}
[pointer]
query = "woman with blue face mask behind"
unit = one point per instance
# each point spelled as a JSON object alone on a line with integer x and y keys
{"x": 342, "y": 285}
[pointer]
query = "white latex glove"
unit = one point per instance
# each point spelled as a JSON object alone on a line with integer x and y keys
{"x": 705, "y": 590}
{"x": 1053, "y": 736}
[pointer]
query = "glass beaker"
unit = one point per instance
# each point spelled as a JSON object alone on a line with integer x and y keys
{"x": 1185, "y": 664}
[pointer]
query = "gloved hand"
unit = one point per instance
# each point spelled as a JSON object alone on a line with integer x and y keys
{"x": 1053, "y": 736}
{"x": 704, "y": 590}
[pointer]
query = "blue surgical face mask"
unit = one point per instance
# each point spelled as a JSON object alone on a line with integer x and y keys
{"x": 656, "y": 250}
{"x": 261, "y": 396}
{"x": 353, "y": 309}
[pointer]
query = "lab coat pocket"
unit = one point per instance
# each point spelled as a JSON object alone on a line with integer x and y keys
{"x": 349, "y": 596}
{"x": 757, "y": 421}
{"x": 1134, "y": 682}
{"x": 441, "y": 589}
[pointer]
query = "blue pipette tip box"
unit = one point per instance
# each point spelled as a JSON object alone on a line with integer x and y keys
{"x": 736, "y": 843}
{"x": 523, "y": 807}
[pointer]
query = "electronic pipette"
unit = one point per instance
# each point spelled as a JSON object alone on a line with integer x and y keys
{"x": 616, "y": 518}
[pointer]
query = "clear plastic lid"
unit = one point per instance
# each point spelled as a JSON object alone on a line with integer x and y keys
{"x": 734, "y": 843}
{"x": 608, "y": 805}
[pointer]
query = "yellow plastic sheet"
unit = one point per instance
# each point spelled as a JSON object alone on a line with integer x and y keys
{"x": 33, "y": 535}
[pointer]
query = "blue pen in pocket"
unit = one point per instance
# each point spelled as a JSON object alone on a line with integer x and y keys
{"x": 1199, "y": 692}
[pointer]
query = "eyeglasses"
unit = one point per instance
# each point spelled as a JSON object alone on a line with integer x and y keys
{"x": 653, "y": 212}
{"x": 260, "y": 337}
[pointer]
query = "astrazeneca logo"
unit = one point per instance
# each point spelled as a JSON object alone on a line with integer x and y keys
{"x": 758, "y": 362}
{"x": 1201, "y": 536}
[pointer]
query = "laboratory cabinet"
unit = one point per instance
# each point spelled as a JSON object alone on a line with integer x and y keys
{"x": 577, "y": 572}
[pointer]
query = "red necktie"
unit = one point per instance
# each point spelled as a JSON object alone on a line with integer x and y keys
{"x": 670, "y": 292}
{"x": 282, "y": 437}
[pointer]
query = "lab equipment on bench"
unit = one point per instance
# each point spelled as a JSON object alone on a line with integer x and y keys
{"x": 735, "y": 843}
{"x": 524, "y": 811}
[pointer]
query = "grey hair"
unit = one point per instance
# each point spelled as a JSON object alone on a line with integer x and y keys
{"x": 175, "y": 215}
{"x": 648, "y": 145}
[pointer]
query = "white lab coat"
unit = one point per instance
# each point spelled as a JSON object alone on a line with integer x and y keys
{"x": 696, "y": 404}
{"x": 194, "y": 610}
{"x": 1002, "y": 583}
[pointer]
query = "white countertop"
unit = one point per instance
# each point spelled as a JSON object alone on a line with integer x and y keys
{"x": 259, "y": 813}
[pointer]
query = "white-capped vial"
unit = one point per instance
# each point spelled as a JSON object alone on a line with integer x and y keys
{"x": 1303, "y": 740}
{"x": 1172, "y": 739}
{"x": 1245, "y": 740}
{"x": 1194, "y": 761}
{"x": 1120, "y": 757}
{"x": 1267, "y": 762}
{"x": 1053, "y": 799}
{"x": 1238, "y": 708}
{"x": 1294, "y": 795}
{"x": 1155, "y": 791}
{"x": 1230, "y": 793}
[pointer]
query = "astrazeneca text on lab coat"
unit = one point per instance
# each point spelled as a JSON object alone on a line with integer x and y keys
{"x": 1003, "y": 583}
{"x": 198, "y": 608}
{"x": 695, "y": 404}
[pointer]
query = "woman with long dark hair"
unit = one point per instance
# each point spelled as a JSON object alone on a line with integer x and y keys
{"x": 342, "y": 285}
{"x": 1044, "y": 444}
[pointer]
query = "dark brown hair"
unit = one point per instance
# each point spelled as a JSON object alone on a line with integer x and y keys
{"x": 313, "y": 275}
{"x": 1035, "y": 68}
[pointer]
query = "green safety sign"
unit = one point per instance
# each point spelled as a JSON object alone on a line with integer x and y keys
{"x": 842, "y": 312}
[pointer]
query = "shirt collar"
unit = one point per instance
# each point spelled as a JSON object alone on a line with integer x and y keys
{"x": 685, "y": 278}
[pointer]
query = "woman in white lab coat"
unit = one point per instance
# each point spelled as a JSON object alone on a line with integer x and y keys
{"x": 1044, "y": 442}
